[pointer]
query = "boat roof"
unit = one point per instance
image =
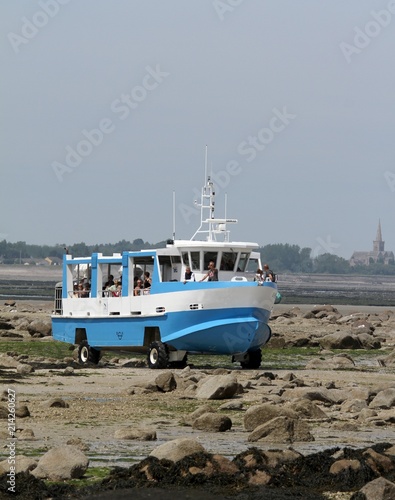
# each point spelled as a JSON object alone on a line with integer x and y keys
{"x": 212, "y": 244}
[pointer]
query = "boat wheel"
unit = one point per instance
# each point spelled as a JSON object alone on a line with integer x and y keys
{"x": 87, "y": 354}
{"x": 157, "y": 355}
{"x": 252, "y": 361}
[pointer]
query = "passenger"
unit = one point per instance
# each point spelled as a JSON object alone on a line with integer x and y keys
{"x": 268, "y": 274}
{"x": 85, "y": 290}
{"x": 147, "y": 280}
{"x": 78, "y": 291}
{"x": 75, "y": 290}
{"x": 189, "y": 275}
{"x": 139, "y": 287}
{"x": 116, "y": 289}
{"x": 109, "y": 282}
{"x": 259, "y": 276}
{"x": 212, "y": 274}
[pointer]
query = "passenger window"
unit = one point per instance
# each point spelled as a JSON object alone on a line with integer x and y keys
{"x": 195, "y": 259}
{"x": 243, "y": 261}
{"x": 228, "y": 261}
{"x": 208, "y": 256}
{"x": 253, "y": 265}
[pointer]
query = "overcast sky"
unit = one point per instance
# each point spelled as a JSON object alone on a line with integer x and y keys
{"x": 107, "y": 107}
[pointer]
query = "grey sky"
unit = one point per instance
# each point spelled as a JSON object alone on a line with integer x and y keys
{"x": 107, "y": 107}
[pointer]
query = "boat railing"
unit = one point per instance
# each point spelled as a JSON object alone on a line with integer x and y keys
{"x": 78, "y": 294}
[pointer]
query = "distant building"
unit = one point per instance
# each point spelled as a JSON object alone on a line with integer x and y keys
{"x": 378, "y": 254}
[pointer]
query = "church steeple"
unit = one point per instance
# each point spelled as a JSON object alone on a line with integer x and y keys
{"x": 378, "y": 244}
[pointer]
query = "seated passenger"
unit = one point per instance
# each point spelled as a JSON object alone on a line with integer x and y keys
{"x": 139, "y": 287}
{"x": 269, "y": 274}
{"x": 115, "y": 289}
{"x": 259, "y": 276}
{"x": 147, "y": 280}
{"x": 189, "y": 275}
{"x": 109, "y": 282}
{"x": 78, "y": 290}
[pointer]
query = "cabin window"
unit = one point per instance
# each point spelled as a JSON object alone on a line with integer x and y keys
{"x": 175, "y": 259}
{"x": 210, "y": 256}
{"x": 228, "y": 261}
{"x": 253, "y": 265}
{"x": 185, "y": 258}
{"x": 165, "y": 267}
{"x": 110, "y": 273}
{"x": 195, "y": 259}
{"x": 81, "y": 285}
{"x": 243, "y": 261}
{"x": 140, "y": 265}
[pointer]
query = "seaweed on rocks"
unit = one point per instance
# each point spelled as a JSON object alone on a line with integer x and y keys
{"x": 28, "y": 487}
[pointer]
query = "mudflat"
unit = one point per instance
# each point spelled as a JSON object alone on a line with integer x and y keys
{"x": 90, "y": 404}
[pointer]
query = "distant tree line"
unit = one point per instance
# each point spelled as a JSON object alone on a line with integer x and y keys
{"x": 282, "y": 258}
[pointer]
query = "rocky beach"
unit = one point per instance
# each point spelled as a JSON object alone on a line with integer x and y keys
{"x": 315, "y": 421}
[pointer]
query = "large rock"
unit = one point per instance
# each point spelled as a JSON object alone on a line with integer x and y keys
{"x": 362, "y": 326}
{"x": 312, "y": 393}
{"x": 8, "y": 361}
{"x": 40, "y": 327}
{"x": 260, "y": 414}
{"x": 335, "y": 363}
{"x": 166, "y": 382}
{"x": 22, "y": 464}
{"x": 218, "y": 387}
{"x": 282, "y": 430}
{"x": 24, "y": 369}
{"x": 135, "y": 434}
{"x": 21, "y": 411}
{"x": 378, "y": 489}
{"x": 384, "y": 399}
{"x": 212, "y": 422}
{"x": 177, "y": 449}
{"x": 63, "y": 462}
{"x": 368, "y": 341}
{"x": 307, "y": 409}
{"x": 189, "y": 419}
{"x": 340, "y": 340}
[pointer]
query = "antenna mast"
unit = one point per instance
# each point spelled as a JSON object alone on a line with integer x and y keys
{"x": 213, "y": 225}
{"x": 174, "y": 215}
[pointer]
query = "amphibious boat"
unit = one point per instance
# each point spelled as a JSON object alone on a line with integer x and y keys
{"x": 172, "y": 317}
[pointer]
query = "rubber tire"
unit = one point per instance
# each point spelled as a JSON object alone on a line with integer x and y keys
{"x": 254, "y": 360}
{"x": 157, "y": 356}
{"x": 94, "y": 355}
{"x": 87, "y": 354}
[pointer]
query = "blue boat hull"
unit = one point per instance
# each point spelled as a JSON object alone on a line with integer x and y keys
{"x": 216, "y": 331}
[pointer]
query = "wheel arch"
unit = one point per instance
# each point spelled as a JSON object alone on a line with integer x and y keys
{"x": 80, "y": 335}
{"x": 151, "y": 334}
